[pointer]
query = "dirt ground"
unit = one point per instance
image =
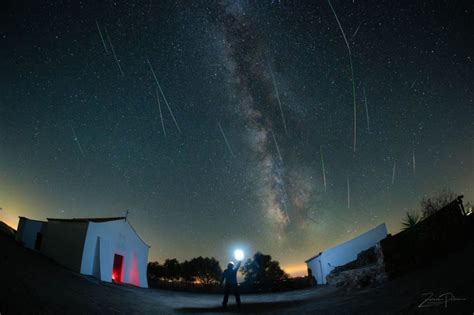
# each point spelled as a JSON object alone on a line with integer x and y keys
{"x": 31, "y": 283}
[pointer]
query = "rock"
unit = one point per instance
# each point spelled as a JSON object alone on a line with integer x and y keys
{"x": 358, "y": 278}
{"x": 367, "y": 270}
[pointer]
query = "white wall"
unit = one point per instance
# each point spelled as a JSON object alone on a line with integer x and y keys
{"x": 27, "y": 231}
{"x": 316, "y": 269}
{"x": 103, "y": 241}
{"x": 345, "y": 252}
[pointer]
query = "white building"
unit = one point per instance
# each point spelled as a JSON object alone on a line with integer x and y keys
{"x": 106, "y": 248}
{"x": 29, "y": 232}
{"x": 323, "y": 263}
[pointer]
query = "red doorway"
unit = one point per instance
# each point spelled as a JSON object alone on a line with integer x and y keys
{"x": 117, "y": 271}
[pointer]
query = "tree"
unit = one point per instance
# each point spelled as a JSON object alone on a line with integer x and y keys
{"x": 171, "y": 269}
{"x": 202, "y": 269}
{"x": 155, "y": 271}
{"x": 430, "y": 205}
{"x": 262, "y": 271}
{"x": 187, "y": 271}
{"x": 410, "y": 220}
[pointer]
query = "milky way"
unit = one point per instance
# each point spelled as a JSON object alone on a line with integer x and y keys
{"x": 260, "y": 106}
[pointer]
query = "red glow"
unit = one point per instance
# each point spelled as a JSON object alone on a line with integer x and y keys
{"x": 117, "y": 269}
{"x": 134, "y": 274}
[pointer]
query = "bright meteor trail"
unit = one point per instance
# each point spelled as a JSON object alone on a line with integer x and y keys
{"x": 322, "y": 167}
{"x": 163, "y": 95}
{"x": 102, "y": 37}
{"x": 277, "y": 147}
{"x": 348, "y": 193}
{"x": 366, "y": 111}
{"x": 352, "y": 74}
{"x": 113, "y": 51}
{"x": 161, "y": 114}
{"x": 277, "y": 94}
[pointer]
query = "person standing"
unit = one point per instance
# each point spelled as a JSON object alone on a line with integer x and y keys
{"x": 230, "y": 277}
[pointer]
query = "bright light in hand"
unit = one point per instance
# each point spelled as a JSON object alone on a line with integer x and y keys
{"x": 239, "y": 254}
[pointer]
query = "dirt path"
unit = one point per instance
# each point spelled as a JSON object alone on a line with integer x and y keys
{"x": 31, "y": 283}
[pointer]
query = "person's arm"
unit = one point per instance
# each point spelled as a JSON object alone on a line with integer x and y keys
{"x": 238, "y": 265}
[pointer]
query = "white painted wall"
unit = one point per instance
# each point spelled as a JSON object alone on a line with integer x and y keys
{"x": 27, "y": 231}
{"x": 345, "y": 252}
{"x": 316, "y": 269}
{"x": 103, "y": 240}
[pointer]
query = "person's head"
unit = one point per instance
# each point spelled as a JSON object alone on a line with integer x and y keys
{"x": 230, "y": 265}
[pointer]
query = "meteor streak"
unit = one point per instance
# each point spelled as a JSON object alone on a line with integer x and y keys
{"x": 113, "y": 51}
{"x": 161, "y": 114}
{"x": 355, "y": 33}
{"x": 225, "y": 139}
{"x": 393, "y": 171}
{"x": 322, "y": 165}
{"x": 366, "y": 111}
{"x": 276, "y": 145}
{"x": 102, "y": 37}
{"x": 352, "y": 73}
{"x": 76, "y": 139}
{"x": 414, "y": 163}
{"x": 348, "y": 194}
{"x": 163, "y": 94}
{"x": 285, "y": 196}
{"x": 278, "y": 99}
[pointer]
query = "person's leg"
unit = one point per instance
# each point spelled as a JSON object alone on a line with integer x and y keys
{"x": 237, "y": 295}
{"x": 226, "y": 296}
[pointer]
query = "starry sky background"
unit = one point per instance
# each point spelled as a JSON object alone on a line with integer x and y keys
{"x": 81, "y": 137}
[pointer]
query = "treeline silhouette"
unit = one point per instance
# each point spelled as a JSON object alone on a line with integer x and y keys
{"x": 202, "y": 274}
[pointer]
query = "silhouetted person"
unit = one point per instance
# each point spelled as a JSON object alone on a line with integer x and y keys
{"x": 231, "y": 285}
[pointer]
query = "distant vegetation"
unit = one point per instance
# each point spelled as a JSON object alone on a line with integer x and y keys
{"x": 428, "y": 206}
{"x": 410, "y": 220}
{"x": 443, "y": 229}
{"x": 203, "y": 274}
{"x": 201, "y": 270}
{"x": 262, "y": 273}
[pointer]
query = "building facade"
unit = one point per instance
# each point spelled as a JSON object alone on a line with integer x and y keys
{"x": 106, "y": 248}
{"x": 322, "y": 264}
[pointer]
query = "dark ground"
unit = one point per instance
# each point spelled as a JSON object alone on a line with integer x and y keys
{"x": 31, "y": 283}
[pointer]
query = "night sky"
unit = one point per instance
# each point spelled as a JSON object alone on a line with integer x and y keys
{"x": 248, "y": 141}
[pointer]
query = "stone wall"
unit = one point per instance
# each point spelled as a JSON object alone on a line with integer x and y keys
{"x": 367, "y": 270}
